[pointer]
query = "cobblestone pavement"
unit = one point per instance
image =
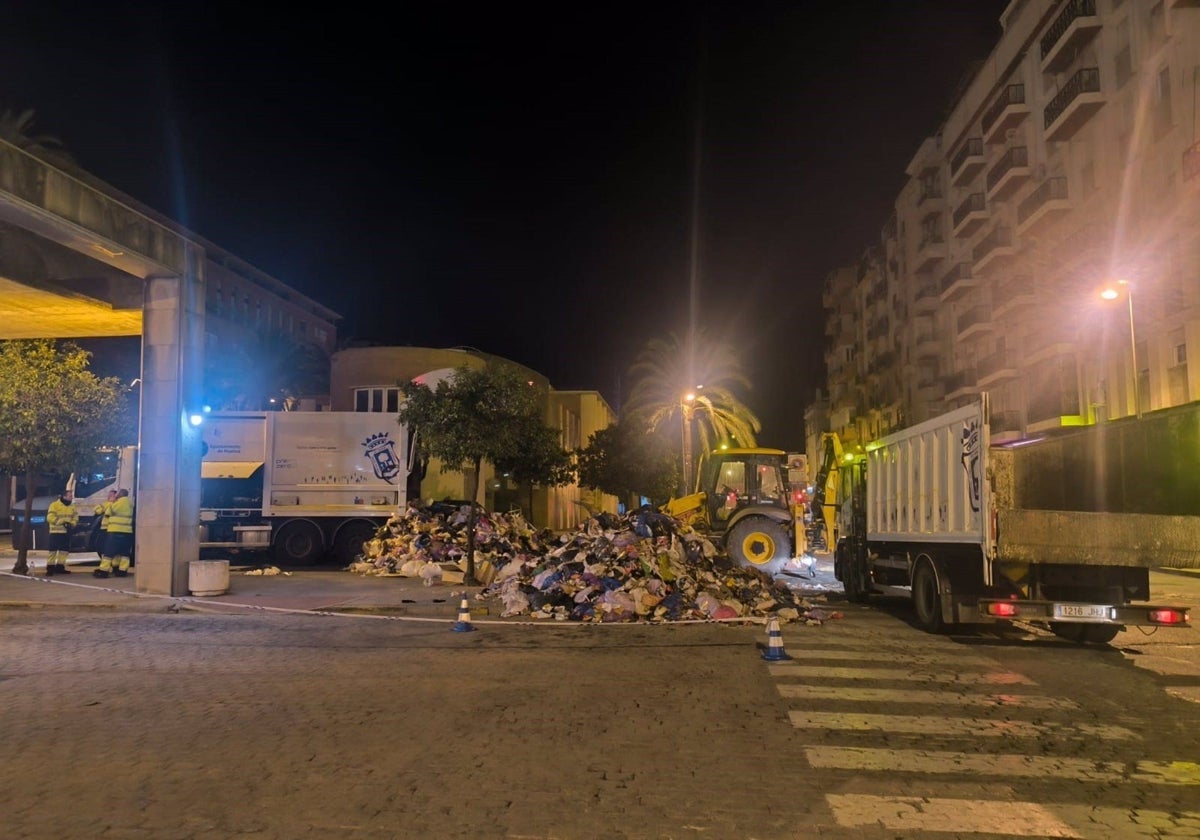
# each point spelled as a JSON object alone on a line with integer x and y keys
{"x": 210, "y": 726}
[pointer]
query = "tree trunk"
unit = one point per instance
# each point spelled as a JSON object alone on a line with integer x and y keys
{"x": 469, "y": 577}
{"x": 21, "y": 566}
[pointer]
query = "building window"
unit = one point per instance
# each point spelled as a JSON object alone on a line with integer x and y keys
{"x": 1162, "y": 103}
{"x": 377, "y": 400}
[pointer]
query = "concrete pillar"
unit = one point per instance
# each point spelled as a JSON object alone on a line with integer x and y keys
{"x": 169, "y": 447}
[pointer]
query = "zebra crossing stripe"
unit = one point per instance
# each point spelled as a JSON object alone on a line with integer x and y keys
{"x": 847, "y": 655}
{"x": 856, "y": 694}
{"x": 954, "y": 726}
{"x": 1184, "y": 773}
{"x": 911, "y": 813}
{"x": 1021, "y": 819}
{"x": 916, "y": 674}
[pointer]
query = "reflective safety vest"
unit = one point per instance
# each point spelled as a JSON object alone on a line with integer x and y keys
{"x": 104, "y": 511}
{"x": 120, "y": 516}
{"x": 61, "y": 516}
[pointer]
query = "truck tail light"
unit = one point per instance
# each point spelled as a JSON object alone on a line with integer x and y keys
{"x": 1169, "y": 616}
{"x": 1003, "y": 609}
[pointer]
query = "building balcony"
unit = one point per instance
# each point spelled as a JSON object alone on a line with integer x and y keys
{"x": 993, "y": 249}
{"x": 1053, "y": 409}
{"x": 969, "y": 215}
{"x": 930, "y": 200}
{"x": 930, "y": 251}
{"x": 931, "y": 389}
{"x": 1183, "y": 4}
{"x": 1012, "y": 296}
{"x": 1050, "y": 199}
{"x": 967, "y": 161}
{"x": 961, "y": 384}
{"x": 1006, "y": 112}
{"x": 927, "y": 299}
{"x": 926, "y": 345}
{"x": 882, "y": 363}
{"x": 956, "y": 281}
{"x": 998, "y": 367}
{"x": 1072, "y": 106}
{"x": 975, "y": 321}
{"x": 1191, "y": 158}
{"x": 878, "y": 329}
{"x": 1077, "y": 24}
{"x": 1039, "y": 349}
{"x": 1004, "y": 426}
{"x": 1008, "y": 173}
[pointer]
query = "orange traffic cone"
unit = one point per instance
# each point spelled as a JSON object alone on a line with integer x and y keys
{"x": 463, "y": 625}
{"x": 774, "y": 651}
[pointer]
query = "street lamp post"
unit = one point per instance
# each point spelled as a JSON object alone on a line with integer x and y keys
{"x": 1111, "y": 293}
{"x": 687, "y": 404}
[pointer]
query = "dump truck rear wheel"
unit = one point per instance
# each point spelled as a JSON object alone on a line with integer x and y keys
{"x": 852, "y": 578}
{"x": 348, "y": 543}
{"x": 299, "y": 544}
{"x": 759, "y": 543}
{"x": 927, "y": 599}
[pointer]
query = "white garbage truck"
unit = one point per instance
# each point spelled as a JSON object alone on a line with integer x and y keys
{"x": 1060, "y": 532}
{"x": 300, "y": 486}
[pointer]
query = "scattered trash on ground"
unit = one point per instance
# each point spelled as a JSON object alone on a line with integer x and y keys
{"x": 267, "y": 571}
{"x": 642, "y": 566}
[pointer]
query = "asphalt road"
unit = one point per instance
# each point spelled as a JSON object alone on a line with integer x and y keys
{"x": 196, "y": 724}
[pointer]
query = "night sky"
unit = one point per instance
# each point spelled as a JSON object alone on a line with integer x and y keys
{"x": 518, "y": 182}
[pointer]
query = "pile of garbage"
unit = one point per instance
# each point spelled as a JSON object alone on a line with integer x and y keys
{"x": 642, "y": 566}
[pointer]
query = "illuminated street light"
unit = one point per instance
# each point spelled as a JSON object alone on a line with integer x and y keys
{"x": 1112, "y": 293}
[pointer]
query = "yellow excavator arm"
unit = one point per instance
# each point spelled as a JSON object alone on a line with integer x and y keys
{"x": 827, "y": 487}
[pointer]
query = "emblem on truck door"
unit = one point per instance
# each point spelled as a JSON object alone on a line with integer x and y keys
{"x": 970, "y": 462}
{"x": 382, "y": 451}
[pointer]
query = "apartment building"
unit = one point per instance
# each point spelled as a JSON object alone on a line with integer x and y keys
{"x": 1069, "y": 166}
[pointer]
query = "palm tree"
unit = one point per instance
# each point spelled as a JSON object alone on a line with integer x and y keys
{"x": 262, "y": 370}
{"x": 17, "y": 129}
{"x": 696, "y": 380}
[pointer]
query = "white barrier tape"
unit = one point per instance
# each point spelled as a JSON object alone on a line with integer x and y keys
{"x": 548, "y": 621}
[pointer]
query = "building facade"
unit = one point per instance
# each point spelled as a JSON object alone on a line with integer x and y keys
{"x": 1045, "y": 247}
{"x": 367, "y": 379}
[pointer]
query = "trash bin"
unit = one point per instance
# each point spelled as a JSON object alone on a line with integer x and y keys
{"x": 208, "y": 577}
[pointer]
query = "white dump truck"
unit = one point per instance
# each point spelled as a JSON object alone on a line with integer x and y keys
{"x": 1040, "y": 532}
{"x": 300, "y": 485}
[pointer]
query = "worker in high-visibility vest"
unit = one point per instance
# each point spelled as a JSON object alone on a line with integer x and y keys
{"x": 118, "y": 544}
{"x": 61, "y": 517}
{"x": 104, "y": 512}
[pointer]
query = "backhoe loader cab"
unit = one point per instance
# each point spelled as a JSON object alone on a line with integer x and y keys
{"x": 743, "y": 501}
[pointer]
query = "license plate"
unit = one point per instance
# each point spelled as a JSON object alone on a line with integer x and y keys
{"x": 1083, "y": 612}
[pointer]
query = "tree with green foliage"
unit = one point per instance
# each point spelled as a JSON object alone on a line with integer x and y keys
{"x": 540, "y": 460}
{"x": 472, "y": 416}
{"x": 629, "y": 461}
{"x": 261, "y": 372}
{"x": 693, "y": 383}
{"x": 55, "y": 414}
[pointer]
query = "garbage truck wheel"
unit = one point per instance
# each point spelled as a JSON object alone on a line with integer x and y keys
{"x": 348, "y": 543}
{"x": 759, "y": 543}
{"x": 927, "y": 598}
{"x": 299, "y": 544}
